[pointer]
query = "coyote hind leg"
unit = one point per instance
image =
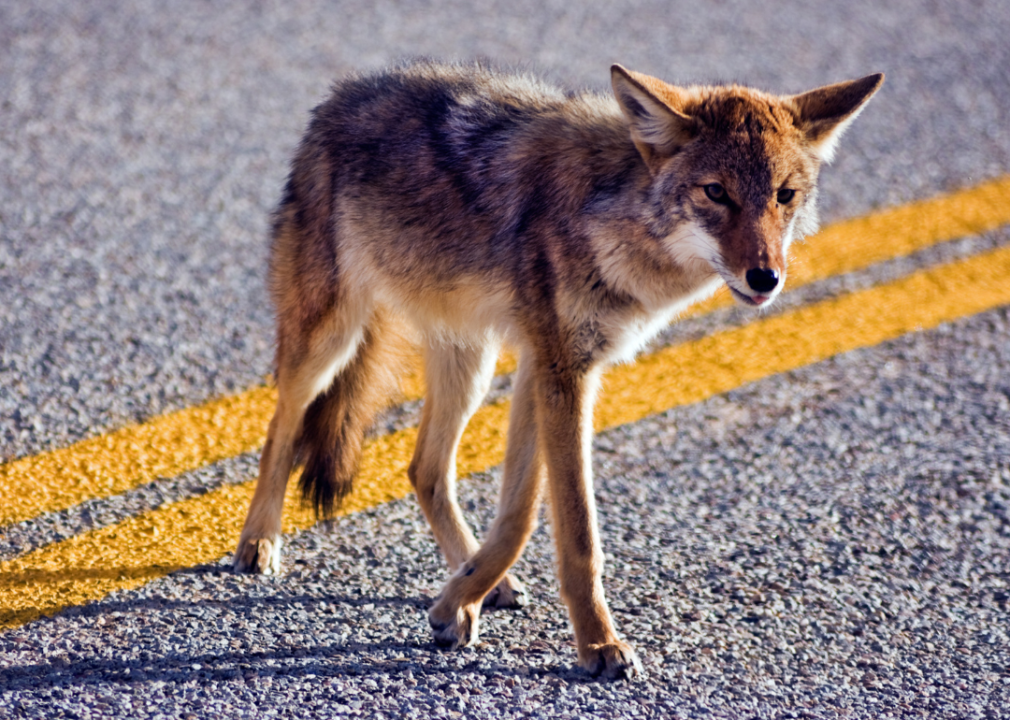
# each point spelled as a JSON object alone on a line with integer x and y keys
{"x": 302, "y": 374}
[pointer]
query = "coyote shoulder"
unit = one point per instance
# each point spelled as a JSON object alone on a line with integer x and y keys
{"x": 460, "y": 207}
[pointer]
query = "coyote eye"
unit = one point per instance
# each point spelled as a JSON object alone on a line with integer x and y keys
{"x": 716, "y": 193}
{"x": 785, "y": 196}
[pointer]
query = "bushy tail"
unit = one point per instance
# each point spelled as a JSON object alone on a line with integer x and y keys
{"x": 335, "y": 423}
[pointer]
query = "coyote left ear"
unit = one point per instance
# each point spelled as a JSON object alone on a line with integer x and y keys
{"x": 824, "y": 114}
{"x": 657, "y": 128}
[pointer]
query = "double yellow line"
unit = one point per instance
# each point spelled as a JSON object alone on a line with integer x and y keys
{"x": 204, "y": 528}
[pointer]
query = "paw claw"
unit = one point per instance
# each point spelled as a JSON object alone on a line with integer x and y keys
{"x": 454, "y": 629}
{"x": 509, "y": 593}
{"x": 260, "y": 556}
{"x": 611, "y": 661}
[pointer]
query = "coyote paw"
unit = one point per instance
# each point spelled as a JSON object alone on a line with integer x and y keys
{"x": 454, "y": 627}
{"x": 509, "y": 593}
{"x": 611, "y": 660}
{"x": 258, "y": 555}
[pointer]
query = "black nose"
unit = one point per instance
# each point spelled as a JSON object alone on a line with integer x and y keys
{"x": 762, "y": 280}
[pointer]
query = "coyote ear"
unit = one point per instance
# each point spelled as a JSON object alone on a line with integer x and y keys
{"x": 657, "y": 128}
{"x": 824, "y": 114}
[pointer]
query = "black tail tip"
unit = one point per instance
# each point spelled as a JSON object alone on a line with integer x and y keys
{"x": 322, "y": 488}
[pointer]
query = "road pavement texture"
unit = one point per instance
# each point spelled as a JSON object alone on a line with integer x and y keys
{"x": 828, "y": 540}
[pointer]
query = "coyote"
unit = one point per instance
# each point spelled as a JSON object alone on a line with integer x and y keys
{"x": 460, "y": 207}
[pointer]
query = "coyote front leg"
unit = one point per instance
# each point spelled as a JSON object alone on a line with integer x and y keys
{"x": 454, "y": 617}
{"x": 565, "y": 416}
{"x": 458, "y": 378}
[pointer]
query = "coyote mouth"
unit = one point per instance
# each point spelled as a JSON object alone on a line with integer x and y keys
{"x": 750, "y": 300}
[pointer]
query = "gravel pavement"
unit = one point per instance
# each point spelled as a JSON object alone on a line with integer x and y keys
{"x": 143, "y": 145}
{"x": 831, "y": 542}
{"x": 826, "y": 543}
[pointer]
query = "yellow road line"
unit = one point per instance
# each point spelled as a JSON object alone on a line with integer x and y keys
{"x": 169, "y": 445}
{"x": 113, "y": 463}
{"x": 855, "y": 244}
{"x": 164, "y": 447}
{"x": 858, "y": 243}
{"x": 203, "y": 529}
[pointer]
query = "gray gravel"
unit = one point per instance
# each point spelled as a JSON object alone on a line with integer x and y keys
{"x": 831, "y": 542}
{"x": 142, "y": 145}
{"x": 827, "y": 543}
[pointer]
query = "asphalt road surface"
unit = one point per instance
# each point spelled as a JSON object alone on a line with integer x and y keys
{"x": 828, "y": 541}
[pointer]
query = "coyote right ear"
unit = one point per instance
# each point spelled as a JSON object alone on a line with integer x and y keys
{"x": 657, "y": 128}
{"x": 824, "y": 114}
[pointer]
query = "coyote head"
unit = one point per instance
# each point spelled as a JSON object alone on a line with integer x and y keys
{"x": 734, "y": 170}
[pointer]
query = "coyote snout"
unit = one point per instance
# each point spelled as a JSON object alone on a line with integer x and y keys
{"x": 482, "y": 207}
